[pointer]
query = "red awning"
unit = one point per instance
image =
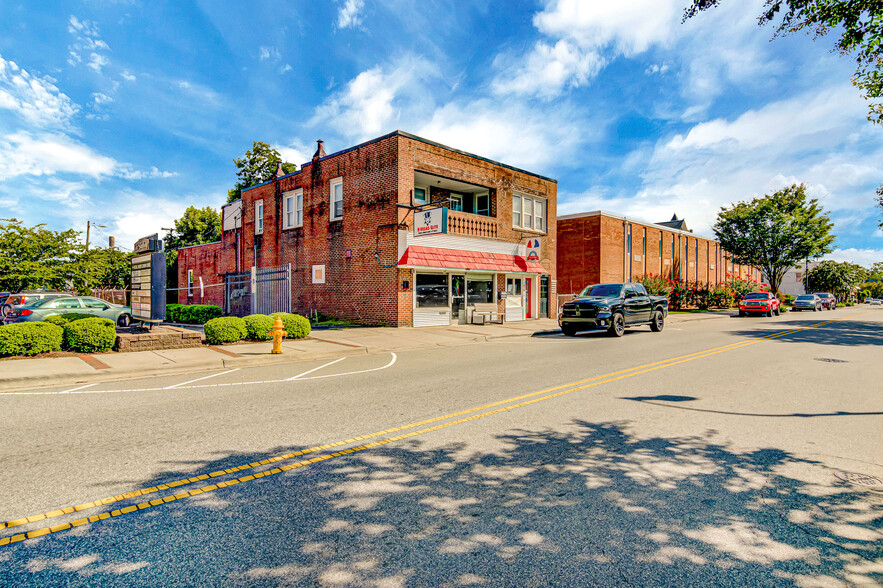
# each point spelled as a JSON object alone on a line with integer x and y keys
{"x": 468, "y": 260}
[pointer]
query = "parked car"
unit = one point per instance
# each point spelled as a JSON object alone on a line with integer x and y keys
{"x": 829, "y": 301}
{"x": 41, "y": 309}
{"x": 873, "y": 300}
{"x": 16, "y": 301}
{"x": 613, "y": 307}
{"x": 807, "y": 302}
{"x": 763, "y": 302}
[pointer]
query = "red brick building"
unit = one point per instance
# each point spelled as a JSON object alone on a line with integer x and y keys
{"x": 397, "y": 231}
{"x": 596, "y": 247}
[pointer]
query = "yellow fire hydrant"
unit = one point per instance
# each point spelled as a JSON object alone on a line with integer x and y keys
{"x": 278, "y": 333}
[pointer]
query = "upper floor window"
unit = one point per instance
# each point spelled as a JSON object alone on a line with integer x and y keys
{"x": 456, "y": 202}
{"x": 336, "y": 199}
{"x": 528, "y": 213}
{"x": 294, "y": 208}
{"x": 259, "y": 217}
{"x": 421, "y": 195}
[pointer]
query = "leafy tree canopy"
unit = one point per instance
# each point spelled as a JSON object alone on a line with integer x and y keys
{"x": 104, "y": 268}
{"x": 775, "y": 232}
{"x": 876, "y": 271}
{"x": 839, "y": 278}
{"x": 858, "y": 22}
{"x": 196, "y": 226}
{"x": 257, "y": 166}
{"x": 35, "y": 257}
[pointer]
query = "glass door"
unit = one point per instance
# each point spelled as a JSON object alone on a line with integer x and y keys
{"x": 514, "y": 299}
{"x": 458, "y": 302}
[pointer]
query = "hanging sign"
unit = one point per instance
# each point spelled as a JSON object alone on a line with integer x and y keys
{"x": 533, "y": 249}
{"x": 431, "y": 222}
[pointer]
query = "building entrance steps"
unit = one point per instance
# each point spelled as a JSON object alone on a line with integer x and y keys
{"x": 29, "y": 374}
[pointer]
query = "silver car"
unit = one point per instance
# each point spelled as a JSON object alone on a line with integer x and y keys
{"x": 807, "y": 302}
{"x": 41, "y": 309}
{"x": 16, "y": 301}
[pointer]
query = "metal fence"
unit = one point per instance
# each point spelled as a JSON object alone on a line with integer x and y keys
{"x": 263, "y": 290}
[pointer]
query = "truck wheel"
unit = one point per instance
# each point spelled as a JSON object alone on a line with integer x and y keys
{"x": 617, "y": 325}
{"x": 568, "y": 330}
{"x": 657, "y": 322}
{"x": 778, "y": 311}
{"x": 769, "y": 312}
{"x": 741, "y": 313}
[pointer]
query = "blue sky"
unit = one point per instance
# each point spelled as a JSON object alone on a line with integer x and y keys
{"x": 124, "y": 112}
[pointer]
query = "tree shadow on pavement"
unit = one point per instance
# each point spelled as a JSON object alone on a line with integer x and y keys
{"x": 592, "y": 506}
{"x": 852, "y": 333}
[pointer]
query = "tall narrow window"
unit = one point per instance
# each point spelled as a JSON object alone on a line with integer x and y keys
{"x": 483, "y": 204}
{"x": 294, "y": 208}
{"x": 336, "y": 199}
{"x": 420, "y": 195}
{"x": 539, "y": 211}
{"x": 259, "y": 217}
{"x": 527, "y": 213}
{"x": 516, "y": 210}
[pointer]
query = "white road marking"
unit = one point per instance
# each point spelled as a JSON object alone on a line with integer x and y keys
{"x": 315, "y": 369}
{"x": 72, "y": 389}
{"x": 198, "y": 379}
{"x": 183, "y": 386}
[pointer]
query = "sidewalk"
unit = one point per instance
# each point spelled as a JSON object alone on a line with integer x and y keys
{"x": 321, "y": 344}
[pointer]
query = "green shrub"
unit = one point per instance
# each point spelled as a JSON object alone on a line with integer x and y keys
{"x": 258, "y": 326}
{"x": 225, "y": 329}
{"x": 192, "y": 314}
{"x": 63, "y": 319}
{"x": 90, "y": 335}
{"x": 296, "y": 326}
{"x": 29, "y": 338}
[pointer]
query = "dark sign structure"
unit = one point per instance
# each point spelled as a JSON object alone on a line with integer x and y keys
{"x": 149, "y": 281}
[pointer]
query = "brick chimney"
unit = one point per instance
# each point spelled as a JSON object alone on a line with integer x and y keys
{"x": 320, "y": 151}
{"x": 279, "y": 172}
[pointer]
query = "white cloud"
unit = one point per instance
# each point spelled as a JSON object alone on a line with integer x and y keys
{"x": 25, "y": 153}
{"x": 87, "y": 41}
{"x": 371, "y": 103}
{"x": 36, "y": 100}
{"x": 128, "y": 76}
{"x": 349, "y": 15}
{"x": 862, "y": 257}
{"x": 512, "y": 132}
{"x": 548, "y": 70}
{"x": 127, "y": 172}
{"x": 631, "y": 27}
{"x": 285, "y": 69}
{"x": 296, "y": 152}
{"x": 99, "y": 98}
{"x": 266, "y": 52}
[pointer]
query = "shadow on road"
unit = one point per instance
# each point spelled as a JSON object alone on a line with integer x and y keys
{"x": 595, "y": 506}
{"x": 852, "y": 333}
{"x": 663, "y": 398}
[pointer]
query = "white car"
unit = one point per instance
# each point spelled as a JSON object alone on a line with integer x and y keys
{"x": 873, "y": 301}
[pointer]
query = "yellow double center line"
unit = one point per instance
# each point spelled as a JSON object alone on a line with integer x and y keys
{"x": 504, "y": 406}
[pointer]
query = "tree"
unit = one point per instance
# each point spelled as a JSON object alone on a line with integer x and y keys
{"x": 775, "y": 232}
{"x": 195, "y": 227}
{"x": 880, "y": 203}
{"x": 104, "y": 268}
{"x": 35, "y": 257}
{"x": 257, "y": 166}
{"x": 876, "y": 271}
{"x": 859, "y": 23}
{"x": 839, "y": 278}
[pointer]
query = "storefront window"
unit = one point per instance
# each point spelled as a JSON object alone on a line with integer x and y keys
{"x": 431, "y": 290}
{"x": 480, "y": 289}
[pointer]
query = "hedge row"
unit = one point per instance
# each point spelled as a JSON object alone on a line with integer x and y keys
{"x": 192, "y": 314}
{"x": 256, "y": 327}
{"x": 86, "y": 335}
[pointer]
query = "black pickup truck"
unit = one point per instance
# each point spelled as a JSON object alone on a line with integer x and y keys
{"x": 613, "y": 307}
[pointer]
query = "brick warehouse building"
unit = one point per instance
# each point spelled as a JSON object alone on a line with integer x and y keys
{"x": 596, "y": 247}
{"x": 345, "y": 223}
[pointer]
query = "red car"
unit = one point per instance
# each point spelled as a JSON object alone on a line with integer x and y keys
{"x": 764, "y": 302}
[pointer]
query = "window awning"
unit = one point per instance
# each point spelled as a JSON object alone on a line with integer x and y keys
{"x": 431, "y": 257}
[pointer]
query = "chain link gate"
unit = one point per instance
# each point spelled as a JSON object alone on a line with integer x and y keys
{"x": 263, "y": 290}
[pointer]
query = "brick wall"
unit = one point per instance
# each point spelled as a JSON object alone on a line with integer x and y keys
{"x": 206, "y": 262}
{"x": 360, "y": 251}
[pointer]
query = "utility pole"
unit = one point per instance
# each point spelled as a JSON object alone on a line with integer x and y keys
{"x": 88, "y": 230}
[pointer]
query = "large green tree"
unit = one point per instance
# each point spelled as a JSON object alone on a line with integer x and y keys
{"x": 858, "y": 22}
{"x": 103, "y": 268}
{"x": 839, "y": 278}
{"x": 775, "y": 232}
{"x": 257, "y": 166}
{"x": 35, "y": 257}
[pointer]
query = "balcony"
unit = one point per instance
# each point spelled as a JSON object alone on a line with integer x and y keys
{"x": 473, "y": 225}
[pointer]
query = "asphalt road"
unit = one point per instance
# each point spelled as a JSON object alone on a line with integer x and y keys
{"x": 713, "y": 453}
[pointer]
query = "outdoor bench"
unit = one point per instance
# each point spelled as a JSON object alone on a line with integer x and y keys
{"x": 484, "y": 312}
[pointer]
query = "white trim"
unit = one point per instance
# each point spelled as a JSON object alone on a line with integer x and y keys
{"x": 532, "y": 200}
{"x": 295, "y": 197}
{"x": 331, "y": 186}
{"x": 258, "y": 217}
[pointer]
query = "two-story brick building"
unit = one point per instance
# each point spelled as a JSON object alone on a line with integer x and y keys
{"x": 597, "y": 247}
{"x": 395, "y": 231}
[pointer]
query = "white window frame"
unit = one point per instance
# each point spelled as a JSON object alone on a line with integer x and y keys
{"x": 526, "y": 218}
{"x": 332, "y": 185}
{"x": 294, "y": 209}
{"x": 189, "y": 283}
{"x": 258, "y": 217}
{"x": 425, "y": 194}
